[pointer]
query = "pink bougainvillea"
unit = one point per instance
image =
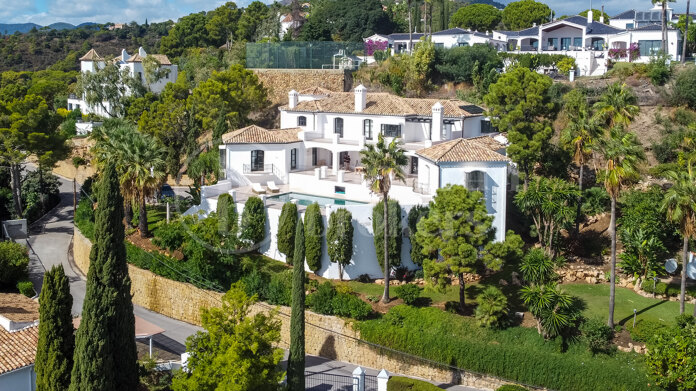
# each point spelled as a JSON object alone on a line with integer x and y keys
{"x": 633, "y": 51}
{"x": 372, "y": 46}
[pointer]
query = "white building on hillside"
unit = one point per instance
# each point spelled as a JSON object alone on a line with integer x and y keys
{"x": 92, "y": 61}
{"x": 590, "y": 42}
{"x": 315, "y": 156}
{"x": 450, "y": 38}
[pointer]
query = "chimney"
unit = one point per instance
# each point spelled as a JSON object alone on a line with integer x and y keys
{"x": 589, "y": 16}
{"x": 142, "y": 52}
{"x": 124, "y": 55}
{"x": 293, "y": 98}
{"x": 436, "y": 125}
{"x": 360, "y": 98}
{"x": 601, "y": 16}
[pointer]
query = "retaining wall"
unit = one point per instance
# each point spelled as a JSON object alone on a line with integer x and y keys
{"x": 326, "y": 336}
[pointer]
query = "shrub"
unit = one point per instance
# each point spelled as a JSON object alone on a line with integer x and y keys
{"x": 598, "y": 336}
{"x": 399, "y": 383}
{"x": 414, "y": 215}
{"x": 565, "y": 65}
{"x": 321, "y": 300}
{"x": 227, "y": 216}
{"x": 279, "y": 290}
{"x": 409, "y": 293}
{"x": 511, "y": 387}
{"x": 170, "y": 236}
{"x": 255, "y": 283}
{"x": 14, "y": 261}
{"x": 253, "y": 225}
{"x": 314, "y": 236}
{"x": 348, "y": 305}
{"x": 595, "y": 200}
{"x": 684, "y": 88}
{"x": 658, "y": 70}
{"x": 685, "y": 320}
{"x": 492, "y": 307}
{"x": 670, "y": 359}
{"x": 645, "y": 330}
{"x": 26, "y": 288}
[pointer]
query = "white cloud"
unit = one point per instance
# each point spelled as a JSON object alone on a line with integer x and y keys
{"x": 50, "y": 11}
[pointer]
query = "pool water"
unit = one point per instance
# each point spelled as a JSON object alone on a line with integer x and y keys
{"x": 306, "y": 199}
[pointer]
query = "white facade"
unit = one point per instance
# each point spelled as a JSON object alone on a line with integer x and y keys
{"x": 450, "y": 38}
{"x": 589, "y": 42}
{"x": 91, "y": 62}
{"x": 317, "y": 152}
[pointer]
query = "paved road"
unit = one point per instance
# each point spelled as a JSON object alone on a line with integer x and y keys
{"x": 51, "y": 240}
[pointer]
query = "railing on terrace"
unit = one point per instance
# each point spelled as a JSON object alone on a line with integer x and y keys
{"x": 266, "y": 169}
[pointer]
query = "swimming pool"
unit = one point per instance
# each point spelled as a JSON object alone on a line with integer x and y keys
{"x": 306, "y": 199}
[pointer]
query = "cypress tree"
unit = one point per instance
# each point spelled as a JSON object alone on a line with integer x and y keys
{"x": 286, "y": 231}
{"x": 253, "y": 226}
{"x": 314, "y": 238}
{"x": 296, "y": 359}
{"x": 227, "y": 216}
{"x": 54, "y": 353}
{"x": 105, "y": 355}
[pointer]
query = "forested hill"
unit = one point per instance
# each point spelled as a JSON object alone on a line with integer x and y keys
{"x": 60, "y": 49}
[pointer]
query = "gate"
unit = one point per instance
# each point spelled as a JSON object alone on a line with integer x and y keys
{"x": 320, "y": 381}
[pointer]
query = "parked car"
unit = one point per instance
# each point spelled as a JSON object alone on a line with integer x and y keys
{"x": 165, "y": 192}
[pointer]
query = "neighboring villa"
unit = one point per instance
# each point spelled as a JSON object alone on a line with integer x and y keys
{"x": 92, "y": 61}
{"x": 315, "y": 156}
{"x": 19, "y": 337}
{"x": 591, "y": 43}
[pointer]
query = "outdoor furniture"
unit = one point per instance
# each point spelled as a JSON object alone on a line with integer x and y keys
{"x": 256, "y": 188}
{"x": 272, "y": 187}
{"x": 359, "y": 169}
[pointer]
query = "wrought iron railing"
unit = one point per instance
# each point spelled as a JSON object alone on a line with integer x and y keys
{"x": 265, "y": 169}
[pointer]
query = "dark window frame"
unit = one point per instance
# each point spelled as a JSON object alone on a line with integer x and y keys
{"x": 391, "y": 130}
{"x": 368, "y": 125}
{"x": 293, "y": 159}
{"x": 302, "y": 121}
{"x": 338, "y": 126}
{"x": 257, "y": 159}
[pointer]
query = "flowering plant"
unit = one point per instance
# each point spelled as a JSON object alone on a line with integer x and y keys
{"x": 372, "y": 46}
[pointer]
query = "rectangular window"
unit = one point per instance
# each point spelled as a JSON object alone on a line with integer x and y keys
{"x": 565, "y": 43}
{"x": 391, "y": 130}
{"x": 293, "y": 159}
{"x": 629, "y": 25}
{"x": 314, "y": 156}
{"x": 439, "y": 45}
{"x": 302, "y": 121}
{"x": 446, "y": 131}
{"x": 339, "y": 189}
{"x": 338, "y": 126}
{"x": 552, "y": 44}
{"x": 577, "y": 42}
{"x": 649, "y": 48}
{"x": 223, "y": 161}
{"x": 414, "y": 165}
{"x": 367, "y": 129}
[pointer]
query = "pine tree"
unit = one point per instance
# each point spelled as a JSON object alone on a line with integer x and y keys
{"x": 286, "y": 231}
{"x": 54, "y": 354}
{"x": 296, "y": 360}
{"x": 105, "y": 356}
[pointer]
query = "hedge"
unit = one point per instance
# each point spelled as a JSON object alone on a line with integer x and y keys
{"x": 511, "y": 387}
{"x": 517, "y": 354}
{"x": 398, "y": 383}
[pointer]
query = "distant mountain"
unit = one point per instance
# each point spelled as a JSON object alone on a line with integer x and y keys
{"x": 11, "y": 28}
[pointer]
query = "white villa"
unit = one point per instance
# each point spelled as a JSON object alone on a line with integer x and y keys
{"x": 450, "y": 38}
{"x": 92, "y": 61}
{"x": 315, "y": 156}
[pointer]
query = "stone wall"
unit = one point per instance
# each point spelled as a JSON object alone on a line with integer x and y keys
{"x": 326, "y": 336}
{"x": 281, "y": 81}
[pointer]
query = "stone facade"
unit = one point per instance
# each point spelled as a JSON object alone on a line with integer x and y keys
{"x": 326, "y": 336}
{"x": 281, "y": 81}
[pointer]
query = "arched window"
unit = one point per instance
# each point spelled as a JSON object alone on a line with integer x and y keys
{"x": 302, "y": 121}
{"x": 475, "y": 181}
{"x": 338, "y": 126}
{"x": 367, "y": 129}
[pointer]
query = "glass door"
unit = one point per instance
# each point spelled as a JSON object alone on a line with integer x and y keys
{"x": 257, "y": 160}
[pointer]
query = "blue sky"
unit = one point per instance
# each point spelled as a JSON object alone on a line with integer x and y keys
{"x": 49, "y": 11}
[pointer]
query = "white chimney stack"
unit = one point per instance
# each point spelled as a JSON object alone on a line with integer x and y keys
{"x": 589, "y": 16}
{"x": 436, "y": 129}
{"x": 142, "y": 52}
{"x": 293, "y": 98}
{"x": 360, "y": 98}
{"x": 601, "y": 16}
{"x": 124, "y": 55}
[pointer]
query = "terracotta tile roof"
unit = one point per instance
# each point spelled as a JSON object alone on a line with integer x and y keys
{"x": 91, "y": 55}
{"x": 315, "y": 91}
{"x": 18, "y": 348}
{"x": 477, "y": 149}
{"x": 18, "y": 308}
{"x": 257, "y": 135}
{"x": 163, "y": 59}
{"x": 383, "y": 104}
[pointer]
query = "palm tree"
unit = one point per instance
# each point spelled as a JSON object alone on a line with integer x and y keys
{"x": 664, "y": 22}
{"x": 580, "y": 136}
{"x": 623, "y": 153}
{"x": 410, "y": 27}
{"x": 686, "y": 34}
{"x": 680, "y": 206}
{"x": 617, "y": 106}
{"x": 384, "y": 163}
{"x": 145, "y": 169}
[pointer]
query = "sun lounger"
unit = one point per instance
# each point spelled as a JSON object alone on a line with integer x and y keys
{"x": 256, "y": 188}
{"x": 272, "y": 187}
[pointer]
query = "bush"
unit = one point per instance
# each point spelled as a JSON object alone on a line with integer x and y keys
{"x": 170, "y": 236}
{"x": 684, "y": 88}
{"x": 658, "y": 70}
{"x": 14, "y": 260}
{"x": 685, "y": 320}
{"x": 279, "y": 290}
{"x": 348, "y": 305}
{"x": 320, "y": 301}
{"x": 511, "y": 387}
{"x": 409, "y": 293}
{"x": 492, "y": 307}
{"x": 565, "y": 65}
{"x": 595, "y": 200}
{"x": 645, "y": 330}
{"x": 253, "y": 225}
{"x": 598, "y": 336}
{"x": 26, "y": 288}
{"x": 255, "y": 283}
{"x": 399, "y": 383}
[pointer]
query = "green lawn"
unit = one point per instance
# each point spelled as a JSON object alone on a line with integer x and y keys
{"x": 156, "y": 215}
{"x": 596, "y": 298}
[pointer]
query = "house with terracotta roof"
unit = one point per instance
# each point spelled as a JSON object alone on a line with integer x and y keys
{"x": 92, "y": 61}
{"x": 19, "y": 337}
{"x": 593, "y": 43}
{"x": 314, "y": 156}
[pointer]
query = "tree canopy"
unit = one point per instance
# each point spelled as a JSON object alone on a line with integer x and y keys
{"x": 523, "y": 14}
{"x": 477, "y": 17}
{"x": 346, "y": 20}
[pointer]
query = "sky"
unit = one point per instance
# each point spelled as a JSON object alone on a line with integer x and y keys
{"x": 45, "y": 12}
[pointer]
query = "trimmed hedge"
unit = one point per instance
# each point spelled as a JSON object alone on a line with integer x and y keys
{"x": 399, "y": 383}
{"x": 511, "y": 387}
{"x": 26, "y": 288}
{"x": 518, "y": 354}
{"x": 326, "y": 300}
